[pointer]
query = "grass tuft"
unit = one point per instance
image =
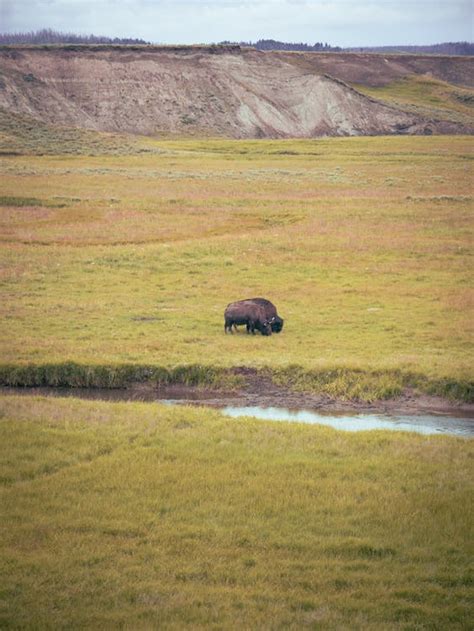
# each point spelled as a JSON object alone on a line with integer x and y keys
{"x": 370, "y": 386}
{"x": 338, "y": 383}
{"x": 342, "y": 382}
{"x": 6, "y": 200}
{"x": 73, "y": 375}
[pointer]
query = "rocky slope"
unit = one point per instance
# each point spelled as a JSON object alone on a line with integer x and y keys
{"x": 227, "y": 91}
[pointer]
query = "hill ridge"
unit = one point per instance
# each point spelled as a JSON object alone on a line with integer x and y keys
{"x": 226, "y": 91}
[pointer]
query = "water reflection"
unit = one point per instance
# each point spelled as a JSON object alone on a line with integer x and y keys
{"x": 427, "y": 424}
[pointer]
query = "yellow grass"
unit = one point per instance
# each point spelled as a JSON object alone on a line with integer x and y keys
{"x": 362, "y": 243}
{"x": 143, "y": 516}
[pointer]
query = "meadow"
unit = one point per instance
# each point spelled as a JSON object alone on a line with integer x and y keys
{"x": 128, "y": 257}
{"x": 139, "y": 516}
{"x": 118, "y": 257}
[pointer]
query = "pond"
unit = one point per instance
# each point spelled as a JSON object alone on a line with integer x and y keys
{"x": 353, "y": 421}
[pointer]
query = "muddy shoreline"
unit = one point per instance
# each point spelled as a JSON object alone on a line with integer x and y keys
{"x": 259, "y": 391}
{"x": 274, "y": 396}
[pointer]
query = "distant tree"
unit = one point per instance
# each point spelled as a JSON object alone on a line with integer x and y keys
{"x": 272, "y": 44}
{"x": 49, "y": 36}
{"x": 446, "y": 48}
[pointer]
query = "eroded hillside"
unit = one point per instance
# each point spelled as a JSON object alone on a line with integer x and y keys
{"x": 225, "y": 91}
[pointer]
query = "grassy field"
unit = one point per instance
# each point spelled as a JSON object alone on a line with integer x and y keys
{"x": 426, "y": 96}
{"x": 118, "y": 257}
{"x": 142, "y": 516}
{"x": 130, "y": 257}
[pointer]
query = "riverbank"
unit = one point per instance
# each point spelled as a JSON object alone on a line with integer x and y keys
{"x": 219, "y": 388}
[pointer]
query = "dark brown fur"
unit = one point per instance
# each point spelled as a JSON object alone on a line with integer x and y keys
{"x": 248, "y": 313}
{"x": 270, "y": 313}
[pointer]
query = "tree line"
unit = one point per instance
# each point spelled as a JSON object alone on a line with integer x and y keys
{"x": 272, "y": 44}
{"x": 447, "y": 48}
{"x": 49, "y": 36}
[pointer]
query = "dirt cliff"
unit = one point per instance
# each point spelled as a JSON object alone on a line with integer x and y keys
{"x": 228, "y": 91}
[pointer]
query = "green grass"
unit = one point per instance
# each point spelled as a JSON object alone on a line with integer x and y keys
{"x": 23, "y": 135}
{"x": 341, "y": 383}
{"x": 364, "y": 244}
{"x": 426, "y": 96}
{"x": 142, "y": 516}
{"x": 368, "y": 385}
{"x": 18, "y": 202}
{"x": 73, "y": 375}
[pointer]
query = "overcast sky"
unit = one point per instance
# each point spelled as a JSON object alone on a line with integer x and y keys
{"x": 338, "y": 22}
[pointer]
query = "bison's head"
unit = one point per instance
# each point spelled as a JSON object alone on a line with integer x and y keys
{"x": 266, "y": 328}
{"x": 277, "y": 324}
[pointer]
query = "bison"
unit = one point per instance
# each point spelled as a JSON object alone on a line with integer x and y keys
{"x": 248, "y": 313}
{"x": 270, "y": 312}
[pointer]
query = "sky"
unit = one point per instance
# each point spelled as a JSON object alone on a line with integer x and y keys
{"x": 337, "y": 22}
